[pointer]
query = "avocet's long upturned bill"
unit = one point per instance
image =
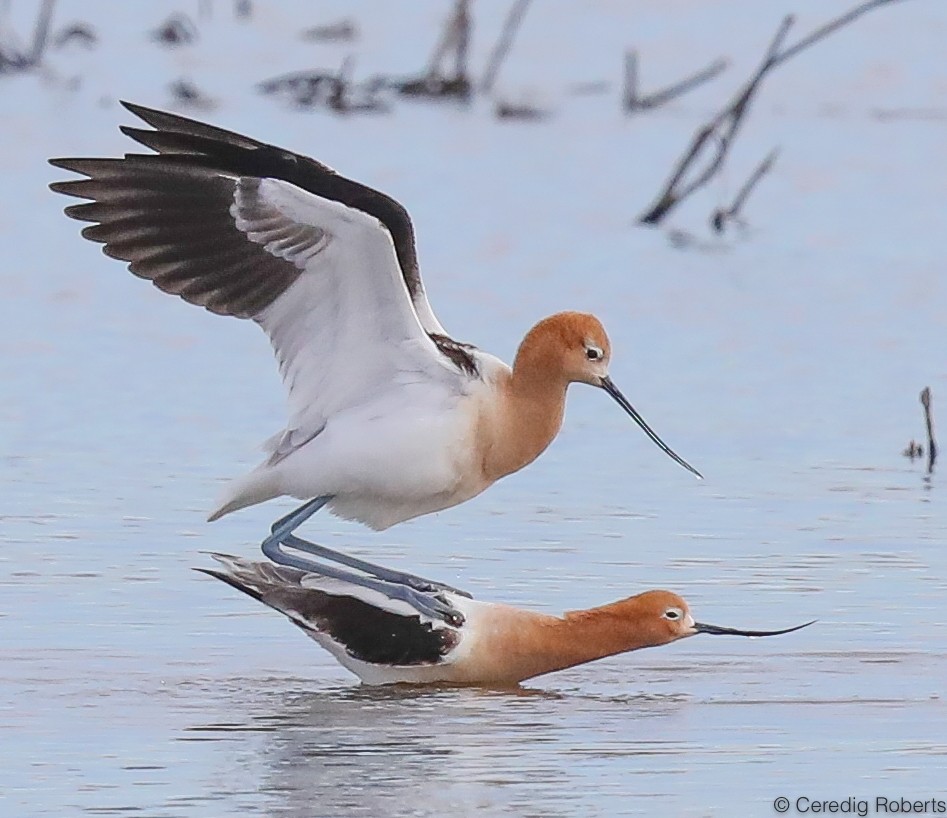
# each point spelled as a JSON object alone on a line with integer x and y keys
{"x": 384, "y": 640}
{"x": 389, "y": 417}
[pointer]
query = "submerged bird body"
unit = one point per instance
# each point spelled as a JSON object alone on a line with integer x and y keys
{"x": 389, "y": 417}
{"x": 385, "y": 640}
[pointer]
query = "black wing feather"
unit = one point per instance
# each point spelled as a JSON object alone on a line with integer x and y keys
{"x": 248, "y": 157}
{"x": 168, "y": 215}
{"x": 368, "y": 633}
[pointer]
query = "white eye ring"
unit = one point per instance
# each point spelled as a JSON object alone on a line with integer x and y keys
{"x": 594, "y": 353}
{"x": 673, "y": 614}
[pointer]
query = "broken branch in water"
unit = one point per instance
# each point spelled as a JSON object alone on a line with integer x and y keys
{"x": 721, "y": 215}
{"x": 456, "y": 39}
{"x": 41, "y": 35}
{"x": 914, "y": 449}
{"x": 929, "y": 421}
{"x": 13, "y": 57}
{"x": 631, "y": 99}
{"x": 503, "y": 45}
{"x": 723, "y": 128}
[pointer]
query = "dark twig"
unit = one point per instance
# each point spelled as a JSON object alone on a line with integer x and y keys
{"x": 342, "y": 31}
{"x": 523, "y": 111}
{"x": 41, "y": 35}
{"x": 338, "y": 98}
{"x": 461, "y": 40}
{"x": 456, "y": 32}
{"x": 629, "y": 96}
{"x": 81, "y": 33}
{"x": 503, "y": 45}
{"x": 304, "y": 88}
{"x": 723, "y": 215}
{"x": 931, "y": 444}
{"x": 831, "y": 27}
{"x": 433, "y": 82}
{"x": 657, "y": 98}
{"x": 726, "y": 124}
{"x": 913, "y": 450}
{"x": 13, "y": 56}
{"x": 11, "y": 53}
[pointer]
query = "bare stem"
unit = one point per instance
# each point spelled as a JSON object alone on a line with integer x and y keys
{"x": 503, "y": 45}
{"x": 665, "y": 95}
{"x": 726, "y": 124}
{"x": 931, "y": 444}
{"x": 732, "y": 213}
{"x": 41, "y": 35}
{"x": 451, "y": 38}
{"x": 830, "y": 27}
{"x": 630, "y": 89}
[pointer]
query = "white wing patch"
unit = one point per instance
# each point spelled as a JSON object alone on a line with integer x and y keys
{"x": 266, "y": 224}
{"x": 338, "y": 587}
{"x": 346, "y": 332}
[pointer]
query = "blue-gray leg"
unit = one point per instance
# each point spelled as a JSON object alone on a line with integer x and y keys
{"x": 412, "y": 589}
{"x": 426, "y": 604}
{"x": 292, "y": 521}
{"x": 426, "y": 586}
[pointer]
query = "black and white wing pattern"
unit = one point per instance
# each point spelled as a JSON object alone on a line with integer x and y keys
{"x": 325, "y": 265}
{"x": 371, "y": 634}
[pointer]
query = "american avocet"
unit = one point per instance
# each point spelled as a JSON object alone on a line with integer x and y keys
{"x": 389, "y": 417}
{"x": 384, "y": 640}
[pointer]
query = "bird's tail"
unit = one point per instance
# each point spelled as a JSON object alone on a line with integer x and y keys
{"x": 277, "y": 586}
{"x": 256, "y": 579}
{"x": 258, "y": 486}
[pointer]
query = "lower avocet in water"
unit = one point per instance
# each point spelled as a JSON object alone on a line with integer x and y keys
{"x": 384, "y": 639}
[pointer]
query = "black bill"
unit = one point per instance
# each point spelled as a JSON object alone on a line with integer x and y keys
{"x": 699, "y": 627}
{"x": 622, "y": 401}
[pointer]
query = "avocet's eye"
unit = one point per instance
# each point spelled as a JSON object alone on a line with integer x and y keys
{"x": 594, "y": 353}
{"x": 673, "y": 614}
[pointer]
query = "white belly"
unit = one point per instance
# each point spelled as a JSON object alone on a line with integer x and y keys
{"x": 384, "y": 468}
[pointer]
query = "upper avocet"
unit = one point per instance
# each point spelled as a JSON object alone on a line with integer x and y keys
{"x": 389, "y": 417}
{"x": 383, "y": 640}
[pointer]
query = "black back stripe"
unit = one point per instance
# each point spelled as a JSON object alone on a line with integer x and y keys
{"x": 460, "y": 354}
{"x": 373, "y": 635}
{"x": 367, "y": 633}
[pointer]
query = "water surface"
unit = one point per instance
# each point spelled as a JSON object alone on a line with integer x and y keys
{"x": 784, "y": 363}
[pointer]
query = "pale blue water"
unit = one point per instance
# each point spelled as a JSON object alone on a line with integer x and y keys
{"x": 784, "y": 365}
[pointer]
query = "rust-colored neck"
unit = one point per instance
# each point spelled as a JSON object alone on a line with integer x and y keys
{"x": 525, "y": 644}
{"x": 529, "y": 412}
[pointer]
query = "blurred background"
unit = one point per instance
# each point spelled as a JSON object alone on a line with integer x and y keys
{"x": 782, "y": 353}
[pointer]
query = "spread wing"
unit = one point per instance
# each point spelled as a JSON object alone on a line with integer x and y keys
{"x": 325, "y": 265}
